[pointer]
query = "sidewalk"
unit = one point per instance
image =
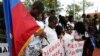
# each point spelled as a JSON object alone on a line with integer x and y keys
{"x": 96, "y": 52}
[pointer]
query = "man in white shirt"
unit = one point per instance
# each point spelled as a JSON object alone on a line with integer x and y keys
{"x": 97, "y": 25}
{"x": 50, "y": 29}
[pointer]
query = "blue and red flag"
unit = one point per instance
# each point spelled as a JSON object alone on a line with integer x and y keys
{"x": 20, "y": 24}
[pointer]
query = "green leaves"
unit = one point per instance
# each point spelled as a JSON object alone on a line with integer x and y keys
{"x": 51, "y": 4}
{"x": 70, "y": 9}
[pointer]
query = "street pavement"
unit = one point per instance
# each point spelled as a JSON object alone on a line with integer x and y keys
{"x": 96, "y": 52}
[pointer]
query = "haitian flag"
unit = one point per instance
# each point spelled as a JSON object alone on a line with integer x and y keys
{"x": 20, "y": 24}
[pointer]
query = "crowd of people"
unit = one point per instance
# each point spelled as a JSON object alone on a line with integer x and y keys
{"x": 58, "y": 27}
{"x": 55, "y": 27}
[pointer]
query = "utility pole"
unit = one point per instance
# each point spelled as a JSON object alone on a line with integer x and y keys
{"x": 55, "y": 4}
{"x": 74, "y": 8}
{"x": 97, "y": 8}
{"x": 83, "y": 6}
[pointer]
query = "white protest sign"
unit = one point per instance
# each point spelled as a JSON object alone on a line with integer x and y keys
{"x": 4, "y": 49}
{"x": 71, "y": 47}
{"x": 54, "y": 49}
{"x": 74, "y": 48}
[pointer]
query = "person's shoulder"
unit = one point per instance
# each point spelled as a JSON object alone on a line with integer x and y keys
{"x": 68, "y": 36}
{"x": 46, "y": 28}
{"x": 88, "y": 41}
{"x": 47, "y": 18}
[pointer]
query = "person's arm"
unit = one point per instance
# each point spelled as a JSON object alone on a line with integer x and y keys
{"x": 85, "y": 49}
{"x": 88, "y": 48}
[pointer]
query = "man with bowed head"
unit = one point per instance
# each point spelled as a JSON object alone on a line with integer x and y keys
{"x": 35, "y": 45}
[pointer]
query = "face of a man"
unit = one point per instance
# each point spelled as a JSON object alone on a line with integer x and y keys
{"x": 97, "y": 21}
{"x": 39, "y": 17}
{"x": 36, "y": 13}
{"x": 54, "y": 13}
{"x": 53, "y": 24}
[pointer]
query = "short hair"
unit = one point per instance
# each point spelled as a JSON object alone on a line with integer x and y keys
{"x": 52, "y": 18}
{"x": 88, "y": 16}
{"x": 83, "y": 15}
{"x": 59, "y": 29}
{"x": 80, "y": 27}
{"x": 51, "y": 11}
{"x": 95, "y": 16}
{"x": 39, "y": 5}
{"x": 70, "y": 18}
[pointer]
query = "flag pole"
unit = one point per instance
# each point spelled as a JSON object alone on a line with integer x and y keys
{"x": 7, "y": 20}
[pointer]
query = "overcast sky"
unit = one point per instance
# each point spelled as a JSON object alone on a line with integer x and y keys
{"x": 92, "y": 9}
{"x": 89, "y": 10}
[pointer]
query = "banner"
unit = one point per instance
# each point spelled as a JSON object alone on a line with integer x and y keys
{"x": 4, "y": 49}
{"x": 74, "y": 48}
{"x": 54, "y": 49}
{"x": 67, "y": 46}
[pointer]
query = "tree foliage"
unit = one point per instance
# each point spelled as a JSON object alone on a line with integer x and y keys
{"x": 51, "y": 4}
{"x": 78, "y": 7}
{"x": 70, "y": 9}
{"x": 87, "y": 4}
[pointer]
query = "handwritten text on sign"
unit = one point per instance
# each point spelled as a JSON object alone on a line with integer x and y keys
{"x": 54, "y": 49}
{"x": 74, "y": 48}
